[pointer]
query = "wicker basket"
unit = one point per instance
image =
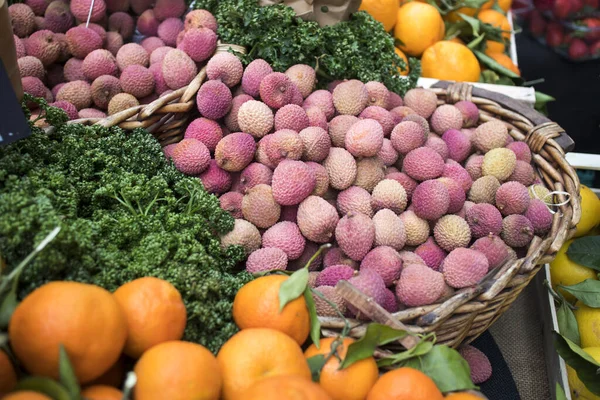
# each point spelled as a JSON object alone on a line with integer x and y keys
{"x": 469, "y": 312}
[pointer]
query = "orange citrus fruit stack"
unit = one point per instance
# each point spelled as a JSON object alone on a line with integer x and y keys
{"x": 114, "y": 376}
{"x": 256, "y": 305}
{"x": 401, "y": 54}
{"x": 101, "y": 392}
{"x": 418, "y": 26}
{"x": 450, "y": 61}
{"x": 177, "y": 370}
{"x": 155, "y": 313}
{"x": 85, "y": 319}
{"x": 255, "y": 354}
{"x": 8, "y": 376}
{"x": 285, "y": 387}
{"x": 498, "y": 20}
{"x": 405, "y": 384}
{"x": 351, "y": 383}
{"x": 384, "y": 11}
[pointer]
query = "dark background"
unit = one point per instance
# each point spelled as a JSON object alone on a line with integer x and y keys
{"x": 575, "y": 86}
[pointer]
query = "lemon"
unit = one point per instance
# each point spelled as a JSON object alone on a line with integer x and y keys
{"x": 590, "y": 211}
{"x": 563, "y": 271}
{"x": 578, "y": 389}
{"x": 588, "y": 320}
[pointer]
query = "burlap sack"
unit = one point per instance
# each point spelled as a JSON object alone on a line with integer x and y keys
{"x": 8, "y": 53}
{"x": 325, "y": 12}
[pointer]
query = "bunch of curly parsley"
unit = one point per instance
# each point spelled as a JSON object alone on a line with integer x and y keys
{"x": 356, "y": 49}
{"x": 125, "y": 213}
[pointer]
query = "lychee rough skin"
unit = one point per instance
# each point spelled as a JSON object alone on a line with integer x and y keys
{"x": 323, "y": 100}
{"x": 259, "y": 207}
{"x": 517, "y": 230}
{"x": 137, "y": 81}
{"x": 235, "y": 151}
{"x": 490, "y": 135}
{"x": 243, "y": 234}
{"x": 381, "y": 115}
{"x": 436, "y": 143}
{"x": 199, "y": 44}
{"x": 338, "y": 127}
{"x": 423, "y": 164}
{"x": 512, "y": 198}
{"x": 191, "y": 156}
{"x": 341, "y": 167}
{"x": 417, "y": 229}
{"x": 331, "y": 275}
{"x": 350, "y": 97}
{"x": 276, "y": 90}
{"x": 99, "y": 62}
{"x": 225, "y": 67}
{"x": 286, "y": 236}
{"x": 284, "y": 144}
{"x": 408, "y": 183}
{"x": 364, "y": 138}
{"x": 232, "y": 203}
{"x": 369, "y": 172}
{"x": 499, "y": 163}
{"x": 81, "y": 9}
{"x": 44, "y": 46}
{"x": 317, "y": 219}
{"x": 293, "y": 181}
{"x": 484, "y": 190}
{"x": 335, "y": 256}
{"x": 451, "y": 232}
{"x": 354, "y": 199}
{"x": 431, "y": 253}
{"x": 540, "y": 216}
{"x": 470, "y": 113}
{"x": 291, "y": 117}
{"x": 389, "y": 229}
{"x": 388, "y": 155}
{"x": 303, "y": 77}
{"x": 521, "y": 150}
{"x": 213, "y": 99}
{"x": 255, "y": 118}
{"x": 371, "y": 285}
{"x": 266, "y": 259}
{"x": 253, "y": 75}
{"x": 459, "y": 146}
{"x": 431, "y": 200}
{"x": 484, "y": 219}
{"x": 255, "y": 174}
{"x": 446, "y": 117}
{"x": 316, "y": 142}
{"x": 179, "y": 70}
{"x": 493, "y": 248}
{"x": 323, "y": 308}
{"x": 121, "y": 102}
{"x": 355, "y": 234}
{"x": 385, "y": 261}
{"x": 407, "y": 136}
{"x": 419, "y": 285}
{"x": 464, "y": 267}
{"x": 479, "y": 364}
{"x": 422, "y": 101}
{"x": 205, "y": 130}
{"x": 130, "y": 54}
{"x": 389, "y": 194}
{"x": 215, "y": 179}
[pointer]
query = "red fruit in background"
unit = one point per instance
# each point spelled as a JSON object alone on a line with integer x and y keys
{"x": 578, "y": 49}
{"x": 593, "y": 25}
{"x": 537, "y": 23}
{"x": 561, "y": 8}
{"x": 595, "y": 4}
{"x": 554, "y": 34}
{"x": 576, "y": 6}
{"x": 595, "y": 49}
{"x": 543, "y": 5}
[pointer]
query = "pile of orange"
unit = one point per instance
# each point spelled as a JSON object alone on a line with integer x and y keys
{"x": 419, "y": 28}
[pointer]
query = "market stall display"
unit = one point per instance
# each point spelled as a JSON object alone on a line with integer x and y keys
{"x": 220, "y": 183}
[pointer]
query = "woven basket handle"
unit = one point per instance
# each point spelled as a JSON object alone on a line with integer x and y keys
{"x": 463, "y": 91}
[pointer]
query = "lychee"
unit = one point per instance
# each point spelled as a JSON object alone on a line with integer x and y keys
{"x": 479, "y": 364}
{"x": 419, "y": 285}
{"x": 253, "y": 75}
{"x": 451, "y": 232}
{"x": 137, "y": 81}
{"x": 355, "y": 234}
{"x": 417, "y": 229}
{"x": 287, "y": 237}
{"x": 490, "y": 135}
{"x": 436, "y": 143}
{"x": 422, "y": 101}
{"x": 341, "y": 167}
{"x": 517, "y": 230}
{"x": 540, "y": 216}
{"x": 423, "y": 164}
{"x": 169, "y": 29}
{"x": 256, "y": 118}
{"x": 317, "y": 219}
{"x": 131, "y": 54}
{"x": 235, "y": 151}
{"x": 494, "y": 249}
{"x": 387, "y": 154}
{"x": 213, "y": 99}
{"x": 385, "y": 261}
{"x": 259, "y": 207}
{"x": 303, "y": 76}
{"x": 469, "y": 111}
{"x": 389, "y": 229}
{"x": 446, "y": 117}
{"x": 407, "y": 136}
{"x": 331, "y": 275}
{"x": 205, "y": 130}
{"x": 350, "y": 97}
{"x": 431, "y": 200}
{"x": 214, "y": 179}
{"x": 276, "y": 90}
{"x": 243, "y": 234}
{"x": 323, "y": 100}
{"x": 484, "y": 190}
{"x": 191, "y": 157}
{"x": 232, "y": 203}
{"x": 338, "y": 127}
{"x": 293, "y": 181}
{"x": 464, "y": 267}
{"x": 200, "y": 19}
{"x": 484, "y": 219}
{"x": 354, "y": 199}
{"x": 381, "y": 115}
{"x": 369, "y": 172}
{"x": 389, "y": 194}
{"x": 431, "y": 253}
{"x": 284, "y": 144}
{"x": 459, "y": 146}
{"x": 266, "y": 259}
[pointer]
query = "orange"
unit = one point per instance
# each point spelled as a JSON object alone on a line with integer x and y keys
{"x": 114, "y": 376}
{"x": 462, "y": 396}
{"x": 503, "y": 4}
{"x": 8, "y": 376}
{"x": 405, "y": 384}
{"x": 86, "y": 319}
{"x": 177, "y": 370}
{"x": 402, "y": 56}
{"x": 351, "y": 383}
{"x": 155, "y": 313}
{"x": 101, "y": 392}
{"x": 419, "y": 26}
{"x": 505, "y": 61}
{"x": 257, "y": 353}
{"x": 256, "y": 305}
{"x": 497, "y": 20}
{"x": 384, "y": 11}
{"x": 26, "y": 395}
{"x": 457, "y": 40}
{"x": 454, "y": 17}
{"x": 285, "y": 387}
{"x": 450, "y": 61}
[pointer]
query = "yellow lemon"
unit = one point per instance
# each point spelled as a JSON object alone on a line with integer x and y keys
{"x": 588, "y": 320}
{"x": 563, "y": 271}
{"x": 590, "y": 211}
{"x": 578, "y": 389}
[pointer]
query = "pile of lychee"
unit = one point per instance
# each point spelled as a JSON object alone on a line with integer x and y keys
{"x": 94, "y": 70}
{"x": 417, "y": 199}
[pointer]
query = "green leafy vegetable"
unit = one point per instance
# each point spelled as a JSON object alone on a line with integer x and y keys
{"x": 446, "y": 367}
{"x": 376, "y": 335}
{"x": 586, "y": 251}
{"x": 588, "y": 370}
{"x": 359, "y": 48}
{"x": 587, "y": 291}
{"x": 567, "y": 324}
{"x": 125, "y": 212}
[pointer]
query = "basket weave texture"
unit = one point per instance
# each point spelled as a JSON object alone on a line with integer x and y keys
{"x": 467, "y": 313}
